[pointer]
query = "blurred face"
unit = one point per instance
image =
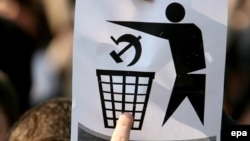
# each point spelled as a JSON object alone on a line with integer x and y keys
{"x": 239, "y": 18}
{"x": 19, "y": 14}
{"x": 9, "y": 9}
{"x": 246, "y": 7}
{"x": 231, "y": 6}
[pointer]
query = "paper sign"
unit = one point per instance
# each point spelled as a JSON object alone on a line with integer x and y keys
{"x": 160, "y": 60}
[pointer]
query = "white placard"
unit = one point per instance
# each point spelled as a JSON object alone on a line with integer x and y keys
{"x": 160, "y": 60}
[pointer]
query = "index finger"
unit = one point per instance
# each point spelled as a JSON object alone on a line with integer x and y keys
{"x": 123, "y": 127}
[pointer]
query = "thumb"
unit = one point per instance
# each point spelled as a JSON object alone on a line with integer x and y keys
{"x": 123, "y": 127}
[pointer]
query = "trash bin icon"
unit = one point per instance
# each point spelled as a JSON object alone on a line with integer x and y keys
{"x": 124, "y": 91}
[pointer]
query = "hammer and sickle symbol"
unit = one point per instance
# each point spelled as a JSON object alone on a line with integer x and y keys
{"x": 133, "y": 41}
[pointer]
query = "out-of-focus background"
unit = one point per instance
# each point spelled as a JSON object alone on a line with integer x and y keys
{"x": 237, "y": 76}
{"x": 36, "y": 57}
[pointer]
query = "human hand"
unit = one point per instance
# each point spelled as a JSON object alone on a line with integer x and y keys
{"x": 123, "y": 127}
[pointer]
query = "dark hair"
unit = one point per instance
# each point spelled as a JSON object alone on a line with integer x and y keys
{"x": 8, "y": 100}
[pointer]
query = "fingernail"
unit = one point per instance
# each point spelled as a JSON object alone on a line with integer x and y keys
{"x": 127, "y": 115}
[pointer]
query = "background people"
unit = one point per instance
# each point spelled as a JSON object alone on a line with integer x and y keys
{"x": 52, "y": 64}
{"x": 236, "y": 96}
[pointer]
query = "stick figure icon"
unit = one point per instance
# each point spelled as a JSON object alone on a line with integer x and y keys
{"x": 186, "y": 45}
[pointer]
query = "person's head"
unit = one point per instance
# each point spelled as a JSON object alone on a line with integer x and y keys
{"x": 175, "y": 12}
{"x": 49, "y": 121}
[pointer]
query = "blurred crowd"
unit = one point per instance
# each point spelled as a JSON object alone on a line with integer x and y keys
{"x": 36, "y": 57}
{"x": 237, "y": 76}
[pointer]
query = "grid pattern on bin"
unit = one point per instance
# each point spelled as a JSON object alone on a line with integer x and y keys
{"x": 124, "y": 92}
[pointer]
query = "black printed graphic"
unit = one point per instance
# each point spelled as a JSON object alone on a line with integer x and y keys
{"x": 133, "y": 41}
{"x": 186, "y": 45}
{"x": 124, "y": 91}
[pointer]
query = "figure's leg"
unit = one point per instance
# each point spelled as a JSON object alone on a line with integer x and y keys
{"x": 197, "y": 98}
{"x": 175, "y": 99}
{"x": 191, "y": 86}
